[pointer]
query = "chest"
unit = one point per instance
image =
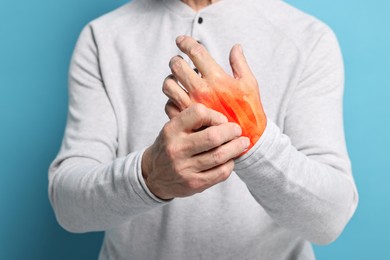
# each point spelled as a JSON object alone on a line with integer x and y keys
{"x": 135, "y": 76}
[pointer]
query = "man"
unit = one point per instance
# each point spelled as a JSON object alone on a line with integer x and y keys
{"x": 198, "y": 186}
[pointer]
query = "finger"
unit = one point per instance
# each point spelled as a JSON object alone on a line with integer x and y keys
{"x": 171, "y": 109}
{"x": 196, "y": 116}
{"x": 216, "y": 175}
{"x": 221, "y": 154}
{"x": 239, "y": 64}
{"x": 199, "y": 56}
{"x": 198, "y": 182}
{"x": 189, "y": 78}
{"x": 212, "y": 137}
{"x": 176, "y": 93}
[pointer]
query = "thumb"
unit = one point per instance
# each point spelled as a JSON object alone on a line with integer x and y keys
{"x": 239, "y": 64}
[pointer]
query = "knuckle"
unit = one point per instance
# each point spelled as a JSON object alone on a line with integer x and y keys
{"x": 203, "y": 86}
{"x": 168, "y": 109}
{"x": 187, "y": 145}
{"x": 171, "y": 150}
{"x": 170, "y": 112}
{"x": 254, "y": 80}
{"x": 205, "y": 91}
{"x": 218, "y": 76}
{"x": 176, "y": 64}
{"x": 213, "y": 138}
{"x": 167, "y": 85}
{"x": 199, "y": 110}
{"x": 166, "y": 130}
{"x": 230, "y": 165}
{"x": 180, "y": 101}
{"x": 226, "y": 170}
{"x": 218, "y": 156}
{"x": 197, "y": 50}
{"x": 250, "y": 81}
{"x": 168, "y": 106}
{"x": 194, "y": 184}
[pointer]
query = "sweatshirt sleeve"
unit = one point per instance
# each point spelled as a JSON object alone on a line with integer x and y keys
{"x": 89, "y": 188}
{"x": 301, "y": 175}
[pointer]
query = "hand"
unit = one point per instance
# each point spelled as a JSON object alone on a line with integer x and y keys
{"x": 185, "y": 160}
{"x": 237, "y": 97}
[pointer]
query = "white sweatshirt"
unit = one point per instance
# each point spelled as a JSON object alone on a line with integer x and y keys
{"x": 292, "y": 188}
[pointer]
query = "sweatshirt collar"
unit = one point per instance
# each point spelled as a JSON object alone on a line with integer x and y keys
{"x": 182, "y": 9}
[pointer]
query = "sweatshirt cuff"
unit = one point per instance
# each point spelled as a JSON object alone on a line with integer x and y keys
{"x": 139, "y": 185}
{"x": 259, "y": 149}
{"x": 142, "y": 180}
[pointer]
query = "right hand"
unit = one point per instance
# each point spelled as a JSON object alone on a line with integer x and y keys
{"x": 184, "y": 160}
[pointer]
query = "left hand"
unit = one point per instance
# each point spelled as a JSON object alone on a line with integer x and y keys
{"x": 238, "y": 97}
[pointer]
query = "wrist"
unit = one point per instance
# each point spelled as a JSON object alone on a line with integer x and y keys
{"x": 255, "y": 130}
{"x": 147, "y": 167}
{"x": 146, "y": 164}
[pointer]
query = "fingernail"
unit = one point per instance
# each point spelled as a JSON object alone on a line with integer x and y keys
{"x": 180, "y": 39}
{"x": 245, "y": 142}
{"x": 238, "y": 130}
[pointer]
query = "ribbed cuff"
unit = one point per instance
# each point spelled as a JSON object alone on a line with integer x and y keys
{"x": 137, "y": 181}
{"x": 142, "y": 180}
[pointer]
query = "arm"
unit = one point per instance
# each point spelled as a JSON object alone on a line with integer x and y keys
{"x": 91, "y": 189}
{"x": 302, "y": 177}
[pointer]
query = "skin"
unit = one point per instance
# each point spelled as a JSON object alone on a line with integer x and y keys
{"x": 183, "y": 161}
{"x": 196, "y": 148}
{"x": 198, "y": 4}
{"x": 237, "y": 97}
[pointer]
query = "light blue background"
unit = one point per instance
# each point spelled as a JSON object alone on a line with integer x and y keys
{"x": 36, "y": 42}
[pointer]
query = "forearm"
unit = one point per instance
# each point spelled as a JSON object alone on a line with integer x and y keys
{"x": 89, "y": 196}
{"x": 314, "y": 199}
